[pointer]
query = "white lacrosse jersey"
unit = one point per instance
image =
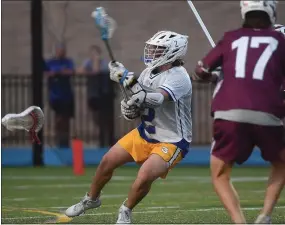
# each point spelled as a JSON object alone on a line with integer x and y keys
{"x": 172, "y": 121}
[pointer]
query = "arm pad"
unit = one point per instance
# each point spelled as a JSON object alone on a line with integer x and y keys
{"x": 146, "y": 97}
{"x": 153, "y": 100}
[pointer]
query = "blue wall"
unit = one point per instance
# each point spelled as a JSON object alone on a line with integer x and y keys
{"x": 63, "y": 157}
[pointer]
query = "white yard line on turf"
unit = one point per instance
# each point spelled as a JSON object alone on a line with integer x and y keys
{"x": 38, "y": 177}
{"x": 104, "y": 196}
{"x": 163, "y": 207}
{"x": 111, "y": 196}
{"x": 146, "y": 206}
{"x": 128, "y": 178}
{"x": 143, "y": 212}
{"x": 258, "y": 191}
{"x": 56, "y": 198}
{"x": 168, "y": 182}
{"x": 25, "y": 217}
{"x": 143, "y": 205}
{"x": 123, "y": 178}
{"x": 23, "y": 187}
{"x": 117, "y": 205}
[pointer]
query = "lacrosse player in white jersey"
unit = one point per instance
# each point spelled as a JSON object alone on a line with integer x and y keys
{"x": 161, "y": 96}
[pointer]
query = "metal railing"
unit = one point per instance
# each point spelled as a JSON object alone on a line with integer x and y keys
{"x": 16, "y": 92}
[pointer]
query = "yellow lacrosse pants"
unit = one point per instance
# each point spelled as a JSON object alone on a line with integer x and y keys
{"x": 140, "y": 149}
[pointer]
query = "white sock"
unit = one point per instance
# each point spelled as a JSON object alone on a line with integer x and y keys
{"x": 264, "y": 218}
{"x": 125, "y": 208}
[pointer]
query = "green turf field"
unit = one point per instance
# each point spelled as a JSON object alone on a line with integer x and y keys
{"x": 40, "y": 195}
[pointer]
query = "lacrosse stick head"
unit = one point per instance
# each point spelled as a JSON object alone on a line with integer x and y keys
{"x": 280, "y": 28}
{"x": 31, "y": 120}
{"x": 105, "y": 23}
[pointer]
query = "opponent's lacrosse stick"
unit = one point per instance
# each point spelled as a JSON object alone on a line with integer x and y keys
{"x": 31, "y": 120}
{"x": 107, "y": 26}
{"x": 200, "y": 21}
{"x": 210, "y": 39}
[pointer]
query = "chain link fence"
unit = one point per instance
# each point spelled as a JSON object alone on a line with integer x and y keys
{"x": 16, "y": 91}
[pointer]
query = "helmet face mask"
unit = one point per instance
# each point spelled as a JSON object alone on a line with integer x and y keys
{"x": 153, "y": 52}
{"x": 164, "y": 48}
{"x": 268, "y": 6}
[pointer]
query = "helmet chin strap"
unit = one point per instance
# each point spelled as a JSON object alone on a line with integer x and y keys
{"x": 163, "y": 68}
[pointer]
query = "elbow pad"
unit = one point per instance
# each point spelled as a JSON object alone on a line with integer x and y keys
{"x": 153, "y": 100}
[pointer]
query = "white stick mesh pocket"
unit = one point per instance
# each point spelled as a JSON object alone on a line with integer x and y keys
{"x": 31, "y": 120}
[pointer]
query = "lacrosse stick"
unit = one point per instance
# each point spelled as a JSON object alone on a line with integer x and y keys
{"x": 210, "y": 39}
{"x": 31, "y": 120}
{"x": 200, "y": 21}
{"x": 107, "y": 26}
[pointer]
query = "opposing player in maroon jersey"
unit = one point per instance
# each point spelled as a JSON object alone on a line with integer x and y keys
{"x": 281, "y": 28}
{"x": 247, "y": 104}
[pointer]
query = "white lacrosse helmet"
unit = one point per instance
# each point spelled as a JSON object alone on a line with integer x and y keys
{"x": 268, "y": 6}
{"x": 280, "y": 28}
{"x": 164, "y": 47}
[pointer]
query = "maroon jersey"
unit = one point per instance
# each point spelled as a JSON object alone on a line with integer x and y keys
{"x": 283, "y": 90}
{"x": 253, "y": 63}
